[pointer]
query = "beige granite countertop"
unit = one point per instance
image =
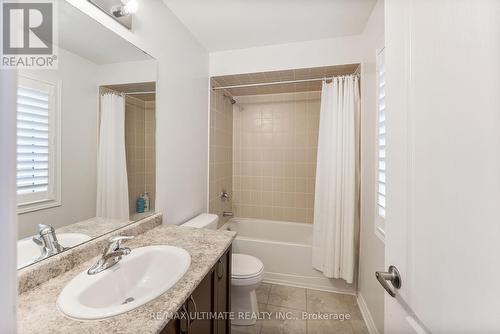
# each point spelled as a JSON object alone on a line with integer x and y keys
{"x": 38, "y": 313}
{"x": 93, "y": 227}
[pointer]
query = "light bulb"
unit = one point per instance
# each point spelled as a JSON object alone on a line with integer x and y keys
{"x": 130, "y": 7}
{"x": 126, "y": 8}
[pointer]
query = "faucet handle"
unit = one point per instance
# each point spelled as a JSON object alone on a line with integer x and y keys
{"x": 115, "y": 242}
{"x": 224, "y": 195}
{"x": 37, "y": 240}
{"x": 112, "y": 254}
{"x": 45, "y": 229}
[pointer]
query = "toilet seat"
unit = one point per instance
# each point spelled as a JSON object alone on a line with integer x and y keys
{"x": 245, "y": 267}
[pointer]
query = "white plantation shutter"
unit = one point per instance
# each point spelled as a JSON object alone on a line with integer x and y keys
{"x": 381, "y": 132}
{"x": 37, "y": 145}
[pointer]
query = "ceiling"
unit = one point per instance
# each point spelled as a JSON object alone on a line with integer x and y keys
{"x": 84, "y": 36}
{"x": 136, "y": 87}
{"x": 279, "y": 76}
{"x": 235, "y": 24}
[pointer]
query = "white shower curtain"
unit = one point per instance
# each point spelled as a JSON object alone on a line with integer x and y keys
{"x": 112, "y": 183}
{"x": 335, "y": 203}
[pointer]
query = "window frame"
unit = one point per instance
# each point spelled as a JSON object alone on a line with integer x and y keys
{"x": 25, "y": 204}
{"x": 379, "y": 225}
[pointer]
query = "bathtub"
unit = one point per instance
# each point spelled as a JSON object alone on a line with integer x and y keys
{"x": 285, "y": 248}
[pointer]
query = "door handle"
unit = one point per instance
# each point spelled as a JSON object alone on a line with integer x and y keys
{"x": 392, "y": 276}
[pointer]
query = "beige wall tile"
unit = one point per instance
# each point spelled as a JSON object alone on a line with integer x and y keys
{"x": 223, "y": 175}
{"x": 140, "y": 148}
{"x": 274, "y": 155}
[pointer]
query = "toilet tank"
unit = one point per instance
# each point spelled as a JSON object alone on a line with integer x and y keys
{"x": 205, "y": 220}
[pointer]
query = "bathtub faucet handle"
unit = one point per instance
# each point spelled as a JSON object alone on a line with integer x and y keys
{"x": 224, "y": 196}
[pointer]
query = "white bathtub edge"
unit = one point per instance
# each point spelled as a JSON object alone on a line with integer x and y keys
{"x": 315, "y": 283}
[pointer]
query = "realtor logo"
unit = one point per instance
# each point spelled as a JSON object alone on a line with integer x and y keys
{"x": 28, "y": 34}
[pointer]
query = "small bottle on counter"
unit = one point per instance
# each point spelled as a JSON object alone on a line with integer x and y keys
{"x": 140, "y": 204}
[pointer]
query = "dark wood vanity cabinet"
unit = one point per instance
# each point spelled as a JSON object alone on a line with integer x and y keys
{"x": 203, "y": 312}
{"x": 223, "y": 292}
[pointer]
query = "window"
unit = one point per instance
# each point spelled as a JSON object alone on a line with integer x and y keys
{"x": 38, "y": 145}
{"x": 380, "y": 149}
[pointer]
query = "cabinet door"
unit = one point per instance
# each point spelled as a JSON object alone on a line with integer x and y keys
{"x": 178, "y": 326}
{"x": 212, "y": 296}
{"x": 202, "y": 302}
{"x": 223, "y": 291}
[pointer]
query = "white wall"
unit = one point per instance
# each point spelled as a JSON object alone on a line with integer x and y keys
{"x": 78, "y": 144}
{"x": 127, "y": 72}
{"x": 182, "y": 105}
{"x": 334, "y": 51}
{"x": 371, "y": 247}
{"x": 8, "y": 265}
{"x": 325, "y": 52}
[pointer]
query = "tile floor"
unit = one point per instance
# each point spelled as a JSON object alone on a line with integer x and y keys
{"x": 293, "y": 301}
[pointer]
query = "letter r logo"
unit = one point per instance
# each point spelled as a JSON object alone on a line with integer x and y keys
{"x": 27, "y": 28}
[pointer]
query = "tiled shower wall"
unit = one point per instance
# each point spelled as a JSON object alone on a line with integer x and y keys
{"x": 140, "y": 148}
{"x": 221, "y": 153}
{"x": 274, "y": 156}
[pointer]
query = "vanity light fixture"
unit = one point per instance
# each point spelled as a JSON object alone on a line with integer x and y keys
{"x": 126, "y": 8}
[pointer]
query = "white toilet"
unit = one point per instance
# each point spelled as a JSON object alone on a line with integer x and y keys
{"x": 247, "y": 273}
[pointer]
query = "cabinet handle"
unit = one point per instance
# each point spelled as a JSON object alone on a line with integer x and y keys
{"x": 191, "y": 299}
{"x": 185, "y": 311}
{"x": 220, "y": 269}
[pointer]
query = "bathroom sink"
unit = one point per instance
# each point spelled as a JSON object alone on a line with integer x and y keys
{"x": 141, "y": 276}
{"x": 28, "y": 251}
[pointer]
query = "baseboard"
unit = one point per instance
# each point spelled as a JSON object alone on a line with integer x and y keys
{"x": 315, "y": 283}
{"x": 367, "y": 316}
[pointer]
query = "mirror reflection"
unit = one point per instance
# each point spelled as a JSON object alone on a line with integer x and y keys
{"x": 85, "y": 140}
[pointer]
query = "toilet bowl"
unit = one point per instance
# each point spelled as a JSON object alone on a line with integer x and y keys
{"x": 247, "y": 274}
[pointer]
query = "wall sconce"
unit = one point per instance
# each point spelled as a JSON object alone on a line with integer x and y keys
{"x": 127, "y": 7}
{"x": 120, "y": 10}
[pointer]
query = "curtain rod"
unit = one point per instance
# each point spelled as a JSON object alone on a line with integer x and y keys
{"x": 123, "y": 93}
{"x": 281, "y": 82}
{"x": 135, "y": 93}
{"x": 358, "y": 70}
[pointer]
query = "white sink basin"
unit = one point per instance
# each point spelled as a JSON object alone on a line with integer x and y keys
{"x": 28, "y": 251}
{"x": 140, "y": 277}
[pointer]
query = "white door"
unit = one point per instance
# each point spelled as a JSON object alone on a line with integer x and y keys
{"x": 443, "y": 165}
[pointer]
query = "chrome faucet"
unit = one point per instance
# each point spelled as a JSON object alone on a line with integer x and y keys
{"x": 47, "y": 240}
{"x": 224, "y": 196}
{"x": 111, "y": 255}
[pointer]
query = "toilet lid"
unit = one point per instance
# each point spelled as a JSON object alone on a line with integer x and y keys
{"x": 245, "y": 266}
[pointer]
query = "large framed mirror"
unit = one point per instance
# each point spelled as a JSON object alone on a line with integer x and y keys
{"x": 85, "y": 140}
